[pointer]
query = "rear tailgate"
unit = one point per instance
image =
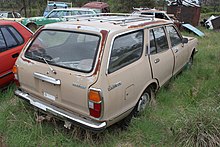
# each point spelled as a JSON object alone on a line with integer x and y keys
{"x": 57, "y": 68}
{"x": 67, "y": 89}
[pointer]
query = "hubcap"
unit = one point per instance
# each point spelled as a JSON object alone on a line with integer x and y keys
{"x": 145, "y": 99}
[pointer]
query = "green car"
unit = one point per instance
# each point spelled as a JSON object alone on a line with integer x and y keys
{"x": 56, "y": 15}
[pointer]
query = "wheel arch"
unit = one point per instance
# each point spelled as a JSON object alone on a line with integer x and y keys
{"x": 31, "y": 23}
{"x": 193, "y": 52}
{"x": 151, "y": 84}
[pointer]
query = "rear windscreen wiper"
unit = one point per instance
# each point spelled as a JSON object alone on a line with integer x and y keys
{"x": 46, "y": 61}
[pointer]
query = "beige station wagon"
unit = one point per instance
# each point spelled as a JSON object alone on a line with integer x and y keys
{"x": 97, "y": 71}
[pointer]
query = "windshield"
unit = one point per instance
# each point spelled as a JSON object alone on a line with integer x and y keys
{"x": 70, "y": 50}
{"x": 97, "y": 10}
{"x": 50, "y": 8}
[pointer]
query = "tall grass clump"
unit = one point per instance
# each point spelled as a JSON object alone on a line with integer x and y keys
{"x": 198, "y": 128}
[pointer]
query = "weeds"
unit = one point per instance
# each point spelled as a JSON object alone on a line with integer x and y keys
{"x": 198, "y": 128}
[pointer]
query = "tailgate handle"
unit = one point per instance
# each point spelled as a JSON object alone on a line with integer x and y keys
{"x": 15, "y": 55}
{"x": 47, "y": 79}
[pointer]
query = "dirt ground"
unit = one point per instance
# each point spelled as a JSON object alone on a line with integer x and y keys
{"x": 2, "y": 144}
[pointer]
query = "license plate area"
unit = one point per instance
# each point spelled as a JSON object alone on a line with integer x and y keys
{"x": 50, "y": 91}
{"x": 49, "y": 96}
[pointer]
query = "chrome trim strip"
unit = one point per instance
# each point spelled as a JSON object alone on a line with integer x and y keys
{"x": 4, "y": 75}
{"x": 47, "y": 79}
{"x": 87, "y": 123}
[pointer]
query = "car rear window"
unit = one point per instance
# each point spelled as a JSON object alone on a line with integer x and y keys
{"x": 72, "y": 50}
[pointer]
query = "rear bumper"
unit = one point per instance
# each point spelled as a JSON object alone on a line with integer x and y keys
{"x": 85, "y": 123}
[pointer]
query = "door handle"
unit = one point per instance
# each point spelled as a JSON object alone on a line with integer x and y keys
{"x": 176, "y": 50}
{"x": 157, "y": 60}
{"x": 15, "y": 55}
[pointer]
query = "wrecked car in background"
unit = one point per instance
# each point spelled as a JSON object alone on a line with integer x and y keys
{"x": 56, "y": 5}
{"x": 98, "y": 7}
{"x": 13, "y": 37}
{"x": 186, "y": 12}
{"x": 212, "y": 23}
{"x": 9, "y": 15}
{"x": 55, "y": 15}
{"x": 157, "y": 14}
{"x": 85, "y": 71}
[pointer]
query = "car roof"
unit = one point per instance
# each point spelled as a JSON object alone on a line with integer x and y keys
{"x": 58, "y": 4}
{"x": 75, "y": 8}
{"x": 8, "y": 22}
{"x": 109, "y": 23}
{"x": 98, "y": 5}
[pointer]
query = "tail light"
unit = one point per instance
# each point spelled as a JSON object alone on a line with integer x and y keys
{"x": 15, "y": 71}
{"x": 95, "y": 103}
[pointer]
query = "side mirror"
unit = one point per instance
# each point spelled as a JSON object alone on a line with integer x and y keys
{"x": 185, "y": 40}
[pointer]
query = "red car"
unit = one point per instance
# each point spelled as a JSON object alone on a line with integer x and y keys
{"x": 13, "y": 37}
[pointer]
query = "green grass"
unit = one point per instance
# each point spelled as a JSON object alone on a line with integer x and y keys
{"x": 185, "y": 110}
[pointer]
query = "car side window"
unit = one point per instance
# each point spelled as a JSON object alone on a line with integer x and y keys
{"x": 17, "y": 15}
{"x": 9, "y": 38}
{"x": 174, "y": 36}
{"x": 54, "y": 14}
{"x": 160, "y": 40}
{"x": 2, "y": 43}
{"x": 126, "y": 49}
{"x": 16, "y": 35}
{"x": 10, "y": 15}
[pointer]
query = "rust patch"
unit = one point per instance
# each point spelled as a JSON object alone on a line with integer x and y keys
{"x": 25, "y": 60}
{"x": 104, "y": 37}
{"x": 146, "y": 23}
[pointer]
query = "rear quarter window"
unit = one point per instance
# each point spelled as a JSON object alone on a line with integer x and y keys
{"x": 126, "y": 50}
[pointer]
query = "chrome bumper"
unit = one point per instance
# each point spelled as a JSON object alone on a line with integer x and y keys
{"x": 88, "y": 124}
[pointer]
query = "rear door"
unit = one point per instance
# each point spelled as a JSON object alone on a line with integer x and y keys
{"x": 161, "y": 56}
{"x": 10, "y": 46}
{"x": 54, "y": 16}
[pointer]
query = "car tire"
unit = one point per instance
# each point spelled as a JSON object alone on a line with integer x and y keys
{"x": 146, "y": 99}
{"x": 190, "y": 62}
{"x": 32, "y": 27}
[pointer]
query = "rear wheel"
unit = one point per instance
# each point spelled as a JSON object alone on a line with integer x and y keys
{"x": 146, "y": 99}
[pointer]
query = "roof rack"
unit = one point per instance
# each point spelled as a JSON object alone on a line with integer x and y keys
{"x": 115, "y": 18}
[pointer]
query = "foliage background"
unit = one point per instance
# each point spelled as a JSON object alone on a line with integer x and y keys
{"x": 36, "y": 7}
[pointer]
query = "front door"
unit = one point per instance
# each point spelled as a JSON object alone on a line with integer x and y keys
{"x": 180, "y": 53}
